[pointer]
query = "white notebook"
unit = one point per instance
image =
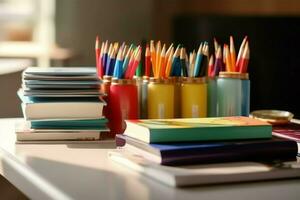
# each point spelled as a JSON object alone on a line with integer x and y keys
{"x": 180, "y": 176}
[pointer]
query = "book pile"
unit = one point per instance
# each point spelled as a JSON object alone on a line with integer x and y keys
{"x": 60, "y": 104}
{"x": 205, "y": 150}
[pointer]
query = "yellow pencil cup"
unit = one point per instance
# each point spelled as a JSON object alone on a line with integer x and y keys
{"x": 177, "y": 97}
{"x": 193, "y": 97}
{"x": 160, "y": 98}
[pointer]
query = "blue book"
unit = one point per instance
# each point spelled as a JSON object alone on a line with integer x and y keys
{"x": 41, "y": 108}
{"x": 211, "y": 152}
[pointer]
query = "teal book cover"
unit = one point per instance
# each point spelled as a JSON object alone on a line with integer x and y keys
{"x": 197, "y": 129}
{"x": 70, "y": 124}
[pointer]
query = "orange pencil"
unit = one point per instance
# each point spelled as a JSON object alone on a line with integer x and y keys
{"x": 162, "y": 61}
{"x": 229, "y": 66}
{"x": 158, "y": 52}
{"x": 232, "y": 53}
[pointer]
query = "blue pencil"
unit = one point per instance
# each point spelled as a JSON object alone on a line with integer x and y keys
{"x": 176, "y": 62}
{"x": 198, "y": 61}
{"x": 104, "y": 57}
{"x": 118, "y": 70}
{"x": 126, "y": 59}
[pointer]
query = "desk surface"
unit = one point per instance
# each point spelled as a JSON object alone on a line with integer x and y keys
{"x": 77, "y": 171}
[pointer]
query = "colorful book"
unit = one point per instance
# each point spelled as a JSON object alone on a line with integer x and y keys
{"x": 197, "y": 129}
{"x": 60, "y": 108}
{"x": 211, "y": 152}
{"x": 192, "y": 175}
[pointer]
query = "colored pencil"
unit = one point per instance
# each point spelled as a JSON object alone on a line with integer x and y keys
{"x": 118, "y": 70}
{"x": 183, "y": 63}
{"x": 245, "y": 59}
{"x": 241, "y": 50}
{"x": 169, "y": 63}
{"x": 161, "y": 62}
{"x": 219, "y": 62}
{"x": 147, "y": 62}
{"x": 232, "y": 53}
{"x": 198, "y": 61}
{"x": 211, "y": 67}
{"x": 204, "y": 62}
{"x": 153, "y": 56}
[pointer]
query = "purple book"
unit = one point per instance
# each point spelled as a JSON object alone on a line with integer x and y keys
{"x": 211, "y": 152}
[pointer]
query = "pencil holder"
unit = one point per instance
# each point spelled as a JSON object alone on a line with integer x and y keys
{"x": 229, "y": 87}
{"x": 123, "y": 101}
{"x": 193, "y": 97}
{"x": 212, "y": 97}
{"x": 160, "y": 98}
{"x": 245, "y": 94}
{"x": 139, "y": 82}
{"x": 144, "y": 98}
{"x": 105, "y": 87}
{"x": 176, "y": 80}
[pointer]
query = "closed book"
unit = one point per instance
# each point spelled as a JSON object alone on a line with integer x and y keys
{"x": 25, "y": 133}
{"x": 70, "y": 124}
{"x": 211, "y": 152}
{"x": 194, "y": 175}
{"x": 58, "y": 135}
{"x": 60, "y": 108}
{"x": 290, "y": 131}
{"x": 60, "y": 71}
{"x": 197, "y": 129}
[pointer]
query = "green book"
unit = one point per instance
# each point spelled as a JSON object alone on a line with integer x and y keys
{"x": 70, "y": 124}
{"x": 197, "y": 129}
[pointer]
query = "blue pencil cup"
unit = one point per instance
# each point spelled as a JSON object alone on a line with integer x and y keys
{"x": 212, "y": 97}
{"x": 245, "y": 94}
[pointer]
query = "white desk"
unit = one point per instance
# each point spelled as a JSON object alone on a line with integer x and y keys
{"x": 84, "y": 172}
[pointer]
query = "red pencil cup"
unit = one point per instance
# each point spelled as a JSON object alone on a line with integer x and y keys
{"x": 123, "y": 102}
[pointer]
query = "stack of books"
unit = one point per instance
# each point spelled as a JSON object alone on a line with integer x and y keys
{"x": 61, "y": 104}
{"x": 205, "y": 150}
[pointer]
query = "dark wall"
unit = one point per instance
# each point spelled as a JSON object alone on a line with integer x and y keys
{"x": 274, "y": 47}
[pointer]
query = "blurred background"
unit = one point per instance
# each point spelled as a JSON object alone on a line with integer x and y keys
{"x": 62, "y": 33}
